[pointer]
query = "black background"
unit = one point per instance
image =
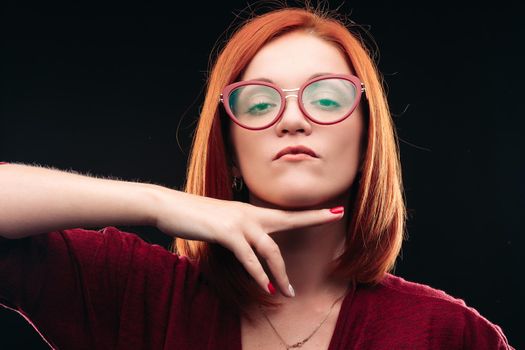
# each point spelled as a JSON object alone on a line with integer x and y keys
{"x": 116, "y": 92}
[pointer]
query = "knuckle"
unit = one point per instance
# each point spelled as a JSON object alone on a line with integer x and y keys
{"x": 242, "y": 250}
{"x": 289, "y": 217}
{"x": 274, "y": 250}
{"x": 276, "y": 221}
{"x": 231, "y": 223}
{"x": 251, "y": 260}
{"x": 231, "y": 229}
{"x": 258, "y": 239}
{"x": 271, "y": 250}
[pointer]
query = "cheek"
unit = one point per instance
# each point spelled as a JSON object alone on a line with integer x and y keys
{"x": 247, "y": 148}
{"x": 346, "y": 152}
{"x": 349, "y": 135}
{"x": 346, "y": 146}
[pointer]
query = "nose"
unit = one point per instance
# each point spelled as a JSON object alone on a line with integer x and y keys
{"x": 293, "y": 119}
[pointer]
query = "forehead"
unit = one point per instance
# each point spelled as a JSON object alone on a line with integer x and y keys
{"x": 293, "y": 57}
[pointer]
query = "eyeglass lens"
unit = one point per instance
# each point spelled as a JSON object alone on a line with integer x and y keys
{"x": 326, "y": 101}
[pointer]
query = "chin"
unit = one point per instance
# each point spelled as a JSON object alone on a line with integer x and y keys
{"x": 296, "y": 205}
{"x": 287, "y": 200}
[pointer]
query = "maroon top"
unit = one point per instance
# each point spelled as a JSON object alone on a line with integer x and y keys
{"x": 108, "y": 289}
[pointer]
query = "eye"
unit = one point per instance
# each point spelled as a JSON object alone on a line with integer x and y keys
{"x": 261, "y": 108}
{"x": 326, "y": 103}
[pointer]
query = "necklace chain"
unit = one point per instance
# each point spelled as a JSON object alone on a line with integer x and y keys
{"x": 302, "y": 342}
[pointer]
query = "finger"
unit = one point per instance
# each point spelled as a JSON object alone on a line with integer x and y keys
{"x": 281, "y": 220}
{"x": 245, "y": 254}
{"x": 269, "y": 250}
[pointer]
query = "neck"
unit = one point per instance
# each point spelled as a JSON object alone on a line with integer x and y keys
{"x": 309, "y": 252}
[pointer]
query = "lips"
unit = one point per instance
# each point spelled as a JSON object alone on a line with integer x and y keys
{"x": 295, "y": 150}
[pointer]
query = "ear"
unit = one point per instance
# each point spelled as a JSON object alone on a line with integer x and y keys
{"x": 235, "y": 168}
{"x": 235, "y": 171}
{"x": 231, "y": 156}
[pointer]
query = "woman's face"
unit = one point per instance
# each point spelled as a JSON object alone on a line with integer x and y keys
{"x": 289, "y": 61}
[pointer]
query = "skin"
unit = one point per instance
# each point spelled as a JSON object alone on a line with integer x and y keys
{"x": 307, "y": 184}
{"x": 304, "y": 241}
{"x": 310, "y": 184}
{"x": 289, "y": 61}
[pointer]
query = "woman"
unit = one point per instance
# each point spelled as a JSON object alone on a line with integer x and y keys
{"x": 295, "y": 122}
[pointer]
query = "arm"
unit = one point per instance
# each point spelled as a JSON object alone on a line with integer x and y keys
{"x": 37, "y": 200}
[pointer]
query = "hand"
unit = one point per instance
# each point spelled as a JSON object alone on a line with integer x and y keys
{"x": 240, "y": 227}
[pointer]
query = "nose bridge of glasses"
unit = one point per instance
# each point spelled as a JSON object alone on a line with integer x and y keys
{"x": 286, "y": 92}
{"x": 289, "y": 93}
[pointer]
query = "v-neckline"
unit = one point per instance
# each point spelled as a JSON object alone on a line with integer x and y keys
{"x": 339, "y": 325}
{"x": 342, "y": 316}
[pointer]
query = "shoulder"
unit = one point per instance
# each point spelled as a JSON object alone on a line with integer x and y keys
{"x": 406, "y": 290}
{"x": 111, "y": 242}
{"x": 406, "y": 293}
{"x": 421, "y": 305}
{"x": 92, "y": 249}
{"x": 110, "y": 238}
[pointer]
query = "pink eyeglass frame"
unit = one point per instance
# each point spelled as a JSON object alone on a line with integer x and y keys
{"x": 351, "y": 78}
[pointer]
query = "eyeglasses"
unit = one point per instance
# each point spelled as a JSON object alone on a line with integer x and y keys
{"x": 327, "y": 99}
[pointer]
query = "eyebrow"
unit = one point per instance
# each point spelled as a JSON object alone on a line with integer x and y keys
{"x": 310, "y": 77}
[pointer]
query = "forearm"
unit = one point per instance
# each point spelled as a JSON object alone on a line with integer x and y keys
{"x": 36, "y": 200}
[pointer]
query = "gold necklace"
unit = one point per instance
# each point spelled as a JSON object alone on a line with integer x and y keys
{"x": 302, "y": 342}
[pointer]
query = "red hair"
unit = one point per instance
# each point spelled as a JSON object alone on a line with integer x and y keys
{"x": 377, "y": 214}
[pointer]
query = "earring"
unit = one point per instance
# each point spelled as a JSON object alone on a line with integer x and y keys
{"x": 237, "y": 183}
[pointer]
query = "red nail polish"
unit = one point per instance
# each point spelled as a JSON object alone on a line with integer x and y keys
{"x": 337, "y": 210}
{"x": 3, "y": 163}
{"x": 271, "y": 288}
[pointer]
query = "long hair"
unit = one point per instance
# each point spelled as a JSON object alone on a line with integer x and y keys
{"x": 377, "y": 214}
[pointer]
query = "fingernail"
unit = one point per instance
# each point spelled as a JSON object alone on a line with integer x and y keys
{"x": 337, "y": 210}
{"x": 290, "y": 289}
{"x": 271, "y": 288}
